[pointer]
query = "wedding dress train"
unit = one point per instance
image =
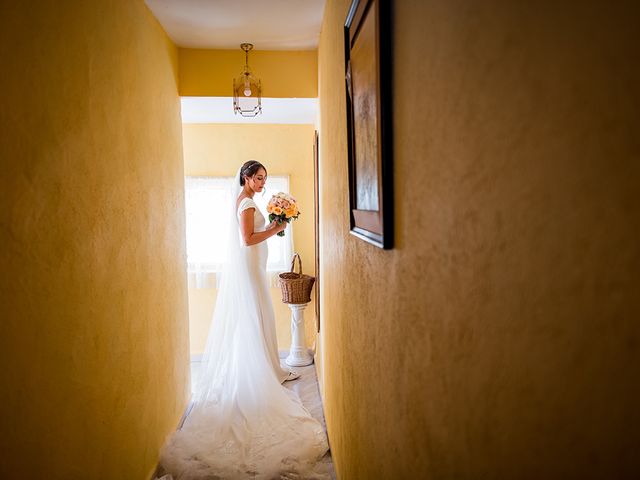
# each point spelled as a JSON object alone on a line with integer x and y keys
{"x": 244, "y": 423}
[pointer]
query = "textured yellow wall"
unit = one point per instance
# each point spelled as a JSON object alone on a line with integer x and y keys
{"x": 499, "y": 339}
{"x": 93, "y": 337}
{"x": 218, "y": 150}
{"x": 283, "y": 74}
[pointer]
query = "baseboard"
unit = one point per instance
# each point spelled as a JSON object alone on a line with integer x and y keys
{"x": 159, "y": 472}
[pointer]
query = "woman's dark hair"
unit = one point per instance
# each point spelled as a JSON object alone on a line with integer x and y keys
{"x": 249, "y": 169}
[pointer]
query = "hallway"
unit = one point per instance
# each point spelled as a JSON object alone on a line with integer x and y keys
{"x": 497, "y": 339}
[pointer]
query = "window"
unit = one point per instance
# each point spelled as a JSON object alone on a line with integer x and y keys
{"x": 206, "y": 201}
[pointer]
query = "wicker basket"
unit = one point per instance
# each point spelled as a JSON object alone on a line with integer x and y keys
{"x": 296, "y": 287}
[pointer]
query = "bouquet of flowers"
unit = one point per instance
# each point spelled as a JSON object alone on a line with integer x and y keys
{"x": 282, "y": 207}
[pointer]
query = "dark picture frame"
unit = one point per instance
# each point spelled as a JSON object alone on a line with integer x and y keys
{"x": 367, "y": 38}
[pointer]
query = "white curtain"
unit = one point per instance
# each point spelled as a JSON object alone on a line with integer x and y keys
{"x": 205, "y": 200}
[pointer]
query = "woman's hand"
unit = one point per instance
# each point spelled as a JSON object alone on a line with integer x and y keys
{"x": 278, "y": 227}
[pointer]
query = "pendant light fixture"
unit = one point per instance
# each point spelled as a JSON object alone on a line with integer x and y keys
{"x": 247, "y": 92}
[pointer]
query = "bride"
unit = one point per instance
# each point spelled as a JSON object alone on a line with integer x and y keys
{"x": 244, "y": 423}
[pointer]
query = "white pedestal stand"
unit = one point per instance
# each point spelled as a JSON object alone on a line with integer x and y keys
{"x": 298, "y": 354}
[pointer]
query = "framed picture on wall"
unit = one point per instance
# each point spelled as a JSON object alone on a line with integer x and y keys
{"x": 368, "y": 67}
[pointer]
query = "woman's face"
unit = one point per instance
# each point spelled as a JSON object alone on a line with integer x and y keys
{"x": 258, "y": 180}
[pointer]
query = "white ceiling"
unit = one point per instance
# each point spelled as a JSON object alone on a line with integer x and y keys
{"x": 225, "y": 24}
{"x": 274, "y": 110}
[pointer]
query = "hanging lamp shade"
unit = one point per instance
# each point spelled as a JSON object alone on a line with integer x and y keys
{"x": 247, "y": 91}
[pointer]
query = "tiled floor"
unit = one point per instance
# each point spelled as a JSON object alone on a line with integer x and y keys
{"x": 306, "y": 387}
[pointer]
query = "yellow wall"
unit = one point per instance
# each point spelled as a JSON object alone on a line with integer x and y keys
{"x": 499, "y": 339}
{"x": 93, "y": 338}
{"x": 218, "y": 150}
{"x": 283, "y": 74}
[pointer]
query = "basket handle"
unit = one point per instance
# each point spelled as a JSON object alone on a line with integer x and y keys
{"x": 293, "y": 262}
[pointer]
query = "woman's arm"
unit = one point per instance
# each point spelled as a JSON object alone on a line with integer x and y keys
{"x": 246, "y": 228}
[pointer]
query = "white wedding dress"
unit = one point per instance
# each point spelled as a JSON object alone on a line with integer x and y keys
{"x": 244, "y": 423}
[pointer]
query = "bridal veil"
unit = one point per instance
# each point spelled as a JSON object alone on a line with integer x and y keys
{"x": 243, "y": 423}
